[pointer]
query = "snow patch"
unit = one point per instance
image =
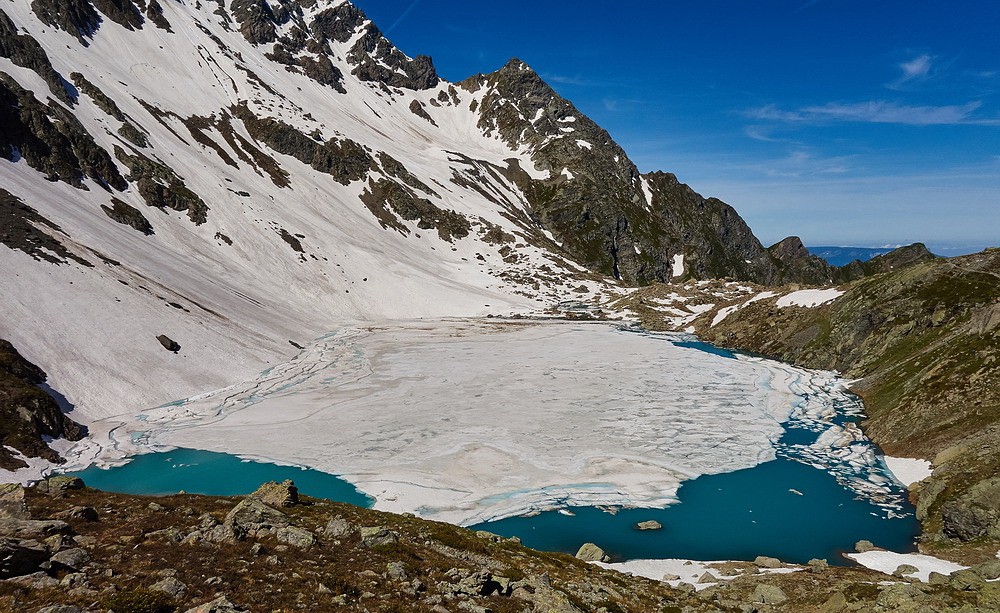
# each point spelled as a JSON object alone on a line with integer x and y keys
{"x": 809, "y": 297}
{"x": 888, "y": 561}
{"x": 584, "y": 144}
{"x": 677, "y": 267}
{"x": 647, "y": 192}
{"x": 908, "y": 470}
{"x": 689, "y": 571}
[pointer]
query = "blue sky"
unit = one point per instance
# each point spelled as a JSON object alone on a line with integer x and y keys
{"x": 842, "y": 121}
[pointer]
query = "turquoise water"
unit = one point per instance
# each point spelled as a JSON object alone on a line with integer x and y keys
{"x": 730, "y": 516}
{"x": 215, "y": 474}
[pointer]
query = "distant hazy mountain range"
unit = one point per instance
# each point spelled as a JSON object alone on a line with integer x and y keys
{"x": 839, "y": 256}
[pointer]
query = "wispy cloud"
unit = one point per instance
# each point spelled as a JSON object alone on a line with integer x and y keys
{"x": 801, "y": 163}
{"x": 620, "y": 104}
{"x": 572, "y": 80}
{"x": 918, "y": 70}
{"x": 759, "y": 133}
{"x": 875, "y": 111}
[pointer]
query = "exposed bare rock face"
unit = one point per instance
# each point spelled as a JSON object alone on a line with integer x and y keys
{"x": 27, "y": 413}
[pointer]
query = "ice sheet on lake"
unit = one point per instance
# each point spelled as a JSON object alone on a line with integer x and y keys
{"x": 466, "y": 421}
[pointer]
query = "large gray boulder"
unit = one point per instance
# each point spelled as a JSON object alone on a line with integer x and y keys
{"x": 219, "y": 605}
{"x": 338, "y": 527}
{"x": 295, "y": 536}
{"x": 378, "y": 536}
{"x": 170, "y": 586}
{"x": 20, "y": 557}
{"x": 766, "y": 593}
{"x": 767, "y": 562}
{"x": 32, "y": 528}
{"x": 590, "y": 552}
{"x": 275, "y": 494}
{"x": 251, "y": 518}
{"x": 72, "y": 559}
{"x": 975, "y": 514}
{"x": 12, "y": 503}
{"x": 58, "y": 485}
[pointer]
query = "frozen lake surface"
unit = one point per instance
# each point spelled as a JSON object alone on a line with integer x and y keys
{"x": 471, "y": 421}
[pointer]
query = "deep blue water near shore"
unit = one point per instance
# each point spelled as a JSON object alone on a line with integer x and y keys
{"x": 215, "y": 474}
{"x": 730, "y": 516}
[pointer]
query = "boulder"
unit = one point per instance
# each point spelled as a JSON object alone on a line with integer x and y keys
{"x": 936, "y": 578}
{"x": 295, "y": 536}
{"x": 708, "y": 577}
{"x": 338, "y": 527}
{"x": 651, "y": 524}
{"x": 590, "y": 552}
{"x": 989, "y": 570}
{"x": 818, "y": 564}
{"x": 20, "y": 556}
{"x": 58, "y": 485}
{"x": 168, "y": 343}
{"x": 219, "y": 605}
{"x": 904, "y": 569}
{"x": 12, "y": 503}
{"x": 170, "y": 586}
{"x": 975, "y": 514}
{"x": 32, "y": 528}
{"x": 766, "y": 593}
{"x": 766, "y": 562}
{"x": 79, "y": 513}
{"x": 376, "y": 536}
{"x": 834, "y": 604}
{"x": 396, "y": 570}
{"x": 863, "y": 546}
{"x": 251, "y": 518}
{"x": 966, "y": 580}
{"x": 898, "y": 597}
{"x": 275, "y": 494}
{"x": 73, "y": 559}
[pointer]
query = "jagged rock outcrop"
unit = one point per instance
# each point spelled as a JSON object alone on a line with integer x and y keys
{"x": 28, "y": 414}
{"x": 25, "y": 51}
{"x": 51, "y": 140}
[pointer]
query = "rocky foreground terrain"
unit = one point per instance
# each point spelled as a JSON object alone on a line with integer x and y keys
{"x": 66, "y": 548}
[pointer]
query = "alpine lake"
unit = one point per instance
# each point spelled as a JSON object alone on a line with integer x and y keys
{"x": 788, "y": 507}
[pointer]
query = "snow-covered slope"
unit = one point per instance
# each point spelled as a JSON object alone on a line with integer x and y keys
{"x": 284, "y": 252}
{"x": 190, "y": 191}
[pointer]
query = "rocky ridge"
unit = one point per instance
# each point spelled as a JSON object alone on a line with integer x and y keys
{"x": 68, "y": 548}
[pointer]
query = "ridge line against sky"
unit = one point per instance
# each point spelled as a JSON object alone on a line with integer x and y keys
{"x": 844, "y": 122}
